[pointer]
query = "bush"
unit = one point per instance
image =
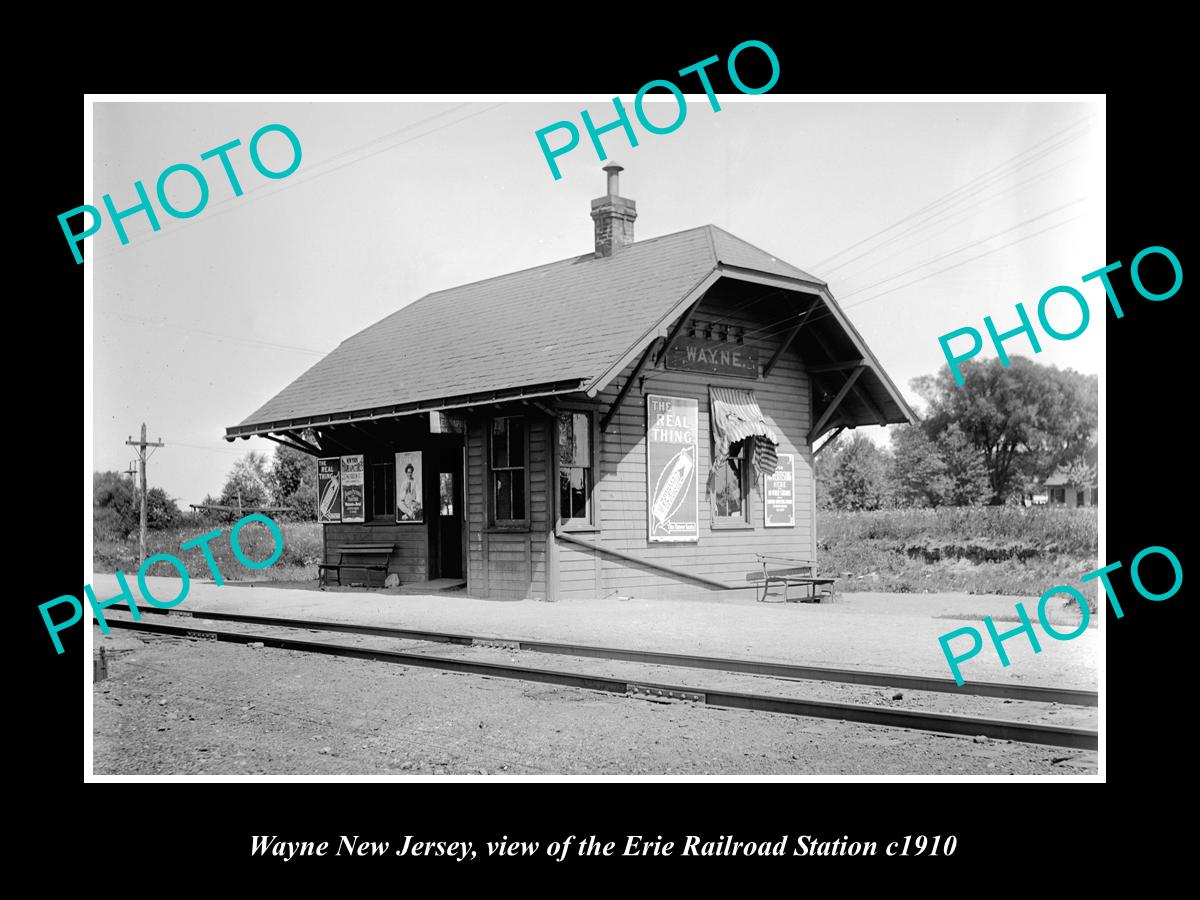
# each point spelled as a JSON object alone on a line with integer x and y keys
{"x": 302, "y": 550}
{"x": 1064, "y": 530}
{"x": 116, "y": 506}
{"x": 982, "y": 549}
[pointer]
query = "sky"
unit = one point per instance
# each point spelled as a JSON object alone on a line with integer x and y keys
{"x": 923, "y": 217}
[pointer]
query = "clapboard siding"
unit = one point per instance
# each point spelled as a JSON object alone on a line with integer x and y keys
{"x": 409, "y": 554}
{"x": 477, "y": 546}
{"x": 540, "y": 510}
{"x": 533, "y": 563}
{"x": 721, "y": 555}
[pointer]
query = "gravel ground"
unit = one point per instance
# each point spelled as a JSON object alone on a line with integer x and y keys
{"x": 172, "y": 706}
{"x": 697, "y": 679}
{"x": 885, "y": 632}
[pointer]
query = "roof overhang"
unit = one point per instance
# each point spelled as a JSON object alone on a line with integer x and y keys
{"x": 261, "y": 429}
{"x": 871, "y": 397}
{"x": 660, "y": 329}
{"x": 871, "y": 381}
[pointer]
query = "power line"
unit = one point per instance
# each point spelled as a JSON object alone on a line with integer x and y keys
{"x": 209, "y": 449}
{"x": 959, "y": 214}
{"x": 296, "y": 183}
{"x": 935, "y": 216}
{"x": 791, "y": 319}
{"x": 142, "y": 444}
{"x": 950, "y": 194}
{"x": 216, "y": 336}
{"x": 961, "y": 248}
{"x": 963, "y": 262}
{"x": 988, "y": 180}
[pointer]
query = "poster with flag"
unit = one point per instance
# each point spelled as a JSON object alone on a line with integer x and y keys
{"x": 779, "y": 494}
{"x": 671, "y": 462}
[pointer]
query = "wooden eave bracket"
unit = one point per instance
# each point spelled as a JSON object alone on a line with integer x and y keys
{"x": 791, "y": 336}
{"x": 650, "y": 349}
{"x": 819, "y": 428}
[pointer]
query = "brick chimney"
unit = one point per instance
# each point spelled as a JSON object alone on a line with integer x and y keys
{"x": 613, "y": 216}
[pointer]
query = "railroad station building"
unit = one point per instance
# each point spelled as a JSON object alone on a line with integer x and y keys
{"x": 639, "y": 419}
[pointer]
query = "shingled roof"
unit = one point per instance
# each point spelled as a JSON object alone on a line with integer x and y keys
{"x": 520, "y": 334}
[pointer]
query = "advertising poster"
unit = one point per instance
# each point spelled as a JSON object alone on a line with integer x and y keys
{"x": 408, "y": 487}
{"x": 329, "y": 489}
{"x": 671, "y": 463}
{"x": 354, "y": 504}
{"x": 779, "y": 494}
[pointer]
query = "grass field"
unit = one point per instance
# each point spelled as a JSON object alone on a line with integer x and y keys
{"x": 298, "y": 562}
{"x": 976, "y": 550}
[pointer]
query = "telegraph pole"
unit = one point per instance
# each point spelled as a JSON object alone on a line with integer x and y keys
{"x": 142, "y": 457}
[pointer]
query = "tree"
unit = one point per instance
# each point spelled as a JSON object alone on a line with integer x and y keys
{"x": 292, "y": 481}
{"x": 966, "y": 470}
{"x": 855, "y": 475}
{"x": 246, "y": 484}
{"x": 1080, "y": 474}
{"x": 116, "y": 507}
{"x": 1025, "y": 418}
{"x": 918, "y": 469}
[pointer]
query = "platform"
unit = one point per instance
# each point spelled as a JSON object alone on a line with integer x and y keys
{"x": 889, "y": 632}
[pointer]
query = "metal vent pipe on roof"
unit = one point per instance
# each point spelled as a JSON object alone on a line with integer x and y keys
{"x": 614, "y": 178}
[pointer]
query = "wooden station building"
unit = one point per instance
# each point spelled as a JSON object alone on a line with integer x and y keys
{"x": 639, "y": 419}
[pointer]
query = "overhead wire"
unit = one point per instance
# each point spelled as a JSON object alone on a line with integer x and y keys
{"x": 763, "y": 333}
{"x": 937, "y": 202}
{"x": 213, "y": 335}
{"x": 935, "y": 217}
{"x": 209, "y": 449}
{"x": 243, "y": 204}
{"x": 962, "y": 247}
{"x": 955, "y": 218}
{"x": 972, "y": 188}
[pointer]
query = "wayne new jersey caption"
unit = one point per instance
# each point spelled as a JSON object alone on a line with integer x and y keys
{"x": 634, "y": 845}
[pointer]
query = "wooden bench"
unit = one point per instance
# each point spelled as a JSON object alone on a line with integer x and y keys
{"x": 789, "y": 572}
{"x": 360, "y": 557}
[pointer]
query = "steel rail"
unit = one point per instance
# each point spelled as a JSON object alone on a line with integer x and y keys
{"x": 1032, "y": 693}
{"x": 1000, "y": 729}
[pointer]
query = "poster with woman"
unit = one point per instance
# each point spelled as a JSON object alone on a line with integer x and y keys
{"x": 409, "y": 507}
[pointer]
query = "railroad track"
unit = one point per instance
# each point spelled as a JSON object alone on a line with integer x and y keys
{"x": 1000, "y": 729}
{"x": 1031, "y": 693}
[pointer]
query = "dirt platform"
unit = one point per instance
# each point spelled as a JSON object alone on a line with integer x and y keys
{"x": 887, "y": 632}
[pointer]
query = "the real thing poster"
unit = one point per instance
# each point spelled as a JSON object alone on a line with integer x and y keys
{"x": 673, "y": 500}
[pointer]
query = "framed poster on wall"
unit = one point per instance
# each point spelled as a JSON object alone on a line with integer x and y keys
{"x": 673, "y": 488}
{"x": 409, "y": 495}
{"x": 779, "y": 494}
{"x": 354, "y": 501}
{"x": 329, "y": 489}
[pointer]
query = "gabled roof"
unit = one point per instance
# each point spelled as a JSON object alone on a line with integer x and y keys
{"x": 552, "y": 329}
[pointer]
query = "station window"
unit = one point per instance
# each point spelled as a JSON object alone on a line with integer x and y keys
{"x": 507, "y": 461}
{"x": 731, "y": 488}
{"x": 575, "y": 468}
{"x": 382, "y": 489}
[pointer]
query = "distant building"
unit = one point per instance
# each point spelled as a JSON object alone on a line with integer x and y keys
{"x": 1063, "y": 491}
